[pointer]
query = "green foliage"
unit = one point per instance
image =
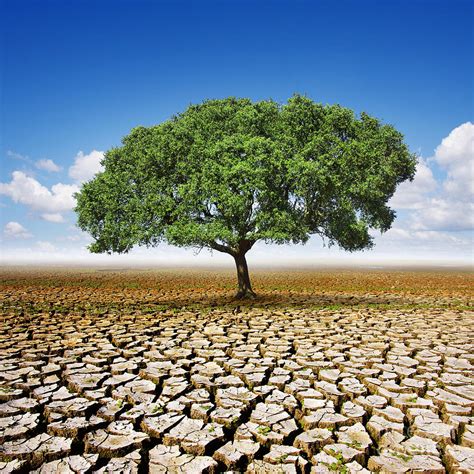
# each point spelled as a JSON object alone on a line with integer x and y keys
{"x": 403, "y": 457}
{"x": 338, "y": 465}
{"x": 227, "y": 173}
{"x": 264, "y": 430}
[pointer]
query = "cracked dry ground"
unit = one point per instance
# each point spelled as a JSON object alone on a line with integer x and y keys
{"x": 266, "y": 387}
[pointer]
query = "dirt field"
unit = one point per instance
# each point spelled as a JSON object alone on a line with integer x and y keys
{"x": 336, "y": 371}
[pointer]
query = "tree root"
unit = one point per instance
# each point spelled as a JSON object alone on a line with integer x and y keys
{"x": 245, "y": 295}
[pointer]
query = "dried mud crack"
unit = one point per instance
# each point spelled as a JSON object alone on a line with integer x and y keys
{"x": 258, "y": 389}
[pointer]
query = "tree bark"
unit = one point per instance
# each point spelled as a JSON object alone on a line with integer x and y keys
{"x": 245, "y": 288}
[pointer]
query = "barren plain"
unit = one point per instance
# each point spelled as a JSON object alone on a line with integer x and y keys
{"x": 335, "y": 371}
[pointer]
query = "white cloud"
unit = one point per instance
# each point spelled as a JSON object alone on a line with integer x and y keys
{"x": 435, "y": 236}
{"x": 447, "y": 205}
{"x": 458, "y": 146}
{"x": 444, "y": 214}
{"x": 74, "y": 238}
{"x": 86, "y": 166}
{"x": 436, "y": 211}
{"x": 422, "y": 236}
{"x": 15, "y": 230}
{"x": 396, "y": 233}
{"x": 48, "y": 165}
{"x": 45, "y": 246}
{"x": 50, "y": 202}
{"x": 412, "y": 195}
{"x": 52, "y": 217}
{"x": 26, "y": 190}
{"x": 18, "y": 156}
{"x": 455, "y": 154}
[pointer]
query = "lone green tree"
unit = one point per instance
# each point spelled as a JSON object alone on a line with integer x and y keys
{"x": 228, "y": 173}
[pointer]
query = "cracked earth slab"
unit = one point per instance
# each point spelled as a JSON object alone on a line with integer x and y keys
{"x": 254, "y": 389}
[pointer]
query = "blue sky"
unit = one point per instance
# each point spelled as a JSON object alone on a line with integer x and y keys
{"x": 78, "y": 75}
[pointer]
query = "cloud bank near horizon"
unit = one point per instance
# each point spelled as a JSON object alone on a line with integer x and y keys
{"x": 436, "y": 215}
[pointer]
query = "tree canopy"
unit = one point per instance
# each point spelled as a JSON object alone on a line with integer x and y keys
{"x": 227, "y": 173}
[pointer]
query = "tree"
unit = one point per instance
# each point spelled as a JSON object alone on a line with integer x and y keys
{"x": 227, "y": 173}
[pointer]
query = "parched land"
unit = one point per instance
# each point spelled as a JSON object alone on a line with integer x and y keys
{"x": 338, "y": 371}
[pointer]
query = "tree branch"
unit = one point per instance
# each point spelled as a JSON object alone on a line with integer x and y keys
{"x": 245, "y": 245}
{"x": 221, "y": 248}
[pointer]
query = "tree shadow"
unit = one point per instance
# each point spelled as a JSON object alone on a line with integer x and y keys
{"x": 264, "y": 300}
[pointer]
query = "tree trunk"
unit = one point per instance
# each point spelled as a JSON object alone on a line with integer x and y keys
{"x": 245, "y": 288}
